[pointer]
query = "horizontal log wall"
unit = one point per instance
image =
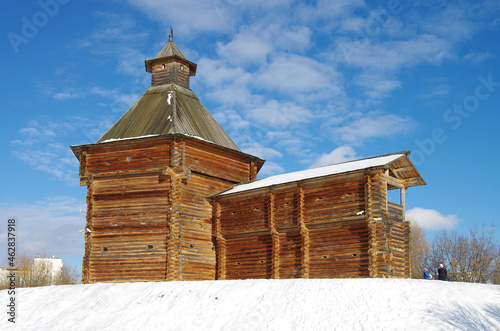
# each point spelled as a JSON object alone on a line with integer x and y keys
{"x": 315, "y": 230}
{"x": 216, "y": 162}
{"x": 129, "y": 229}
{"x": 130, "y": 160}
{"x": 197, "y": 248}
{"x": 148, "y": 214}
{"x": 167, "y": 71}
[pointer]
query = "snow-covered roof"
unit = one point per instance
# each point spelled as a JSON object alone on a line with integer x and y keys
{"x": 316, "y": 172}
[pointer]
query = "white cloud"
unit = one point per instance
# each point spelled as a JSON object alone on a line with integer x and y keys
{"x": 120, "y": 101}
{"x": 327, "y": 14}
{"x": 245, "y": 49}
{"x": 292, "y": 38}
{"x": 217, "y": 73}
{"x": 381, "y": 61}
{"x": 436, "y": 91}
{"x": 452, "y": 23}
{"x": 376, "y": 85}
{"x": 477, "y": 57}
{"x": 280, "y": 115}
{"x": 338, "y": 155}
{"x": 49, "y": 226}
{"x": 44, "y": 144}
{"x": 261, "y": 151}
{"x": 232, "y": 119}
{"x": 65, "y": 95}
{"x": 199, "y": 16}
{"x": 295, "y": 74}
{"x": 430, "y": 219}
{"x": 192, "y": 15}
{"x": 373, "y": 126}
{"x": 270, "y": 169}
{"x": 117, "y": 38}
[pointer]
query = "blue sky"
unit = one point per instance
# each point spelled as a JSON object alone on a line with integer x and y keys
{"x": 301, "y": 84}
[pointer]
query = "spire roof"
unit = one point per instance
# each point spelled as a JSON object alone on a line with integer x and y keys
{"x": 170, "y": 49}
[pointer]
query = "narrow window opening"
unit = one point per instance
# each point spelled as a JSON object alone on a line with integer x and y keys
{"x": 150, "y": 246}
{"x": 104, "y": 249}
{"x": 163, "y": 66}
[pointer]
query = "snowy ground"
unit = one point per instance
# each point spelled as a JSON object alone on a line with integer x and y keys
{"x": 328, "y": 304}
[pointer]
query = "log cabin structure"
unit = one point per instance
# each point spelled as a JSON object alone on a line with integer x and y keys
{"x": 171, "y": 197}
{"x": 329, "y": 222}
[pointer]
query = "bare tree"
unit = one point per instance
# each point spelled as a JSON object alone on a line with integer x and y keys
{"x": 67, "y": 276}
{"x": 23, "y": 265}
{"x": 468, "y": 258}
{"x": 34, "y": 272}
{"x": 42, "y": 273}
{"x": 419, "y": 250}
{"x": 496, "y": 272}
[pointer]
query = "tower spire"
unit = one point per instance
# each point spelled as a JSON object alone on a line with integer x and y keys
{"x": 170, "y": 66}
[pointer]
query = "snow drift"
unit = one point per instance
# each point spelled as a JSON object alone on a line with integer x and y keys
{"x": 298, "y": 304}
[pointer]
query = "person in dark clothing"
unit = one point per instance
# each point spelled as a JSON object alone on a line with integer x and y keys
{"x": 442, "y": 273}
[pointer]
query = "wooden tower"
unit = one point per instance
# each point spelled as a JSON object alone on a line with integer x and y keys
{"x": 148, "y": 178}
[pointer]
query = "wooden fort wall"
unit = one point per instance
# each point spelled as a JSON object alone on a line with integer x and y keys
{"x": 332, "y": 227}
{"x": 389, "y": 234}
{"x": 148, "y": 218}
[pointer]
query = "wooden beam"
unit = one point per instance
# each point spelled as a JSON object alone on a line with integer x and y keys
{"x": 88, "y": 235}
{"x": 220, "y": 247}
{"x": 403, "y": 193}
{"x": 392, "y": 180}
{"x": 403, "y": 169}
{"x": 304, "y": 233}
{"x": 413, "y": 181}
{"x": 372, "y": 237}
{"x": 274, "y": 235}
{"x": 253, "y": 171}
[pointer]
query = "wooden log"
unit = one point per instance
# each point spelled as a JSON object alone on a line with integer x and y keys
{"x": 304, "y": 233}
{"x": 275, "y": 237}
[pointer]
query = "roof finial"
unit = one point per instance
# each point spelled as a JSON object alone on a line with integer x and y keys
{"x": 171, "y": 35}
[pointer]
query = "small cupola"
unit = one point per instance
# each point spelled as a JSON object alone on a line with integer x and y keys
{"x": 170, "y": 66}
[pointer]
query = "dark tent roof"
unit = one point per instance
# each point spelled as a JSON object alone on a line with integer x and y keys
{"x": 168, "y": 109}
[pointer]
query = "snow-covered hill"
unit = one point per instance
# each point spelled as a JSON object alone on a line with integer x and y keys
{"x": 328, "y": 304}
